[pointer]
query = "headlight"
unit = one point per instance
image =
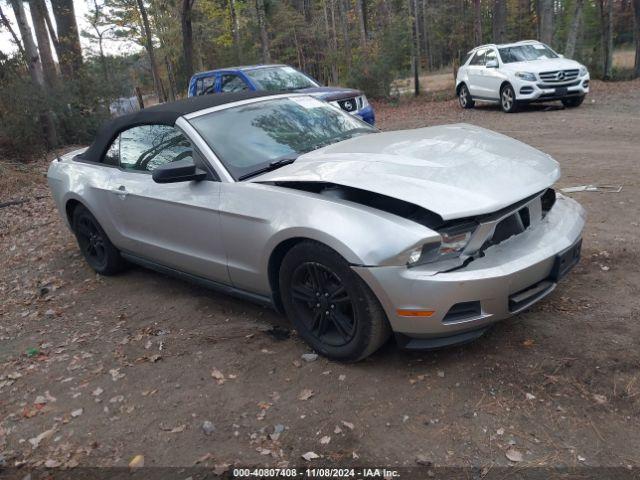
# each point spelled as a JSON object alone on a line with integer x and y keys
{"x": 531, "y": 77}
{"x": 453, "y": 242}
{"x": 583, "y": 71}
{"x": 362, "y": 102}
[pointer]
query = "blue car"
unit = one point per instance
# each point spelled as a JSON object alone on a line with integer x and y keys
{"x": 278, "y": 78}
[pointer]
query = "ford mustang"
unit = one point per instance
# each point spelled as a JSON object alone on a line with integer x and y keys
{"x": 431, "y": 234}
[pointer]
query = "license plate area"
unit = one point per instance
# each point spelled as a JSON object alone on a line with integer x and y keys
{"x": 566, "y": 260}
{"x": 561, "y": 91}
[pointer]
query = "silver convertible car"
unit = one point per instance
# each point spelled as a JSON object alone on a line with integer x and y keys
{"x": 433, "y": 234}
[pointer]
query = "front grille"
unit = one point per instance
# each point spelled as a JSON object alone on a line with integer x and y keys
{"x": 559, "y": 76}
{"x": 349, "y": 104}
{"x": 559, "y": 84}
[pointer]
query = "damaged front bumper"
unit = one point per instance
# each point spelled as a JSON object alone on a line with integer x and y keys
{"x": 509, "y": 278}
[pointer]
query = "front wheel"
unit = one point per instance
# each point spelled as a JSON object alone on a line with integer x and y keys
{"x": 333, "y": 310}
{"x": 508, "y": 99}
{"x": 98, "y": 251}
{"x": 572, "y": 102}
{"x": 464, "y": 97}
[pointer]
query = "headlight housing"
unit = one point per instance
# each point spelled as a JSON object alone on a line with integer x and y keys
{"x": 583, "y": 71}
{"x": 453, "y": 241}
{"x": 530, "y": 77}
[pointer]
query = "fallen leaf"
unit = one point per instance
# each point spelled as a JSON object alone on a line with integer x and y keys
{"x": 77, "y": 413}
{"x": 600, "y": 399}
{"x": 35, "y": 441}
{"x": 310, "y": 456}
{"x": 305, "y": 394}
{"x": 514, "y": 455}
{"x": 325, "y": 440}
{"x": 349, "y": 425}
{"x": 137, "y": 461}
{"x": 217, "y": 375}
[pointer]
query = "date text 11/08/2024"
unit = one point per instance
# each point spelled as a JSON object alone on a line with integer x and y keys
{"x": 315, "y": 473}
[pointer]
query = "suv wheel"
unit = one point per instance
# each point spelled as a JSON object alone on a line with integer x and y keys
{"x": 94, "y": 244}
{"x": 333, "y": 310}
{"x": 573, "y": 101}
{"x": 508, "y": 99}
{"x": 464, "y": 97}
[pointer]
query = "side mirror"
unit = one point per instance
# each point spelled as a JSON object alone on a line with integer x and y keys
{"x": 179, "y": 171}
{"x": 492, "y": 64}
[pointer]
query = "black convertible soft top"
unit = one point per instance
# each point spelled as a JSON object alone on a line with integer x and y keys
{"x": 163, "y": 114}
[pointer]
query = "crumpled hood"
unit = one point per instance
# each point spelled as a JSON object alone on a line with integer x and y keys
{"x": 455, "y": 171}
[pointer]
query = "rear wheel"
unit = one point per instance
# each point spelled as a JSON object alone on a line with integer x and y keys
{"x": 572, "y": 102}
{"x": 508, "y": 99}
{"x": 96, "y": 247}
{"x": 333, "y": 310}
{"x": 464, "y": 97}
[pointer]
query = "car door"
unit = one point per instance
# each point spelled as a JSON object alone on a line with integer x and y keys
{"x": 172, "y": 224}
{"x": 491, "y": 78}
{"x": 475, "y": 71}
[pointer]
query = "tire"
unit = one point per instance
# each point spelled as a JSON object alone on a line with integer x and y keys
{"x": 508, "y": 101}
{"x": 464, "y": 97}
{"x": 94, "y": 243}
{"x": 572, "y": 102}
{"x": 333, "y": 310}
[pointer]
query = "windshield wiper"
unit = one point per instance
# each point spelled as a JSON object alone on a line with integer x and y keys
{"x": 273, "y": 165}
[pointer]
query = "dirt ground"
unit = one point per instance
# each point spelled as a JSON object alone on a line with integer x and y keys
{"x": 97, "y": 370}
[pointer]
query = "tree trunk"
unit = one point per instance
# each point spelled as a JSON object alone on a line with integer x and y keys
{"x": 425, "y": 35}
{"x": 499, "y": 21}
{"x": 69, "y": 50}
{"x": 413, "y": 8}
{"x": 362, "y": 22}
{"x": 38, "y": 11}
{"x": 264, "y": 37}
{"x": 477, "y": 23}
{"x": 149, "y": 46}
{"x": 235, "y": 30}
{"x": 574, "y": 28}
{"x": 33, "y": 59}
{"x": 187, "y": 39}
{"x": 7, "y": 25}
{"x": 344, "y": 25}
{"x": 35, "y": 70}
{"x": 607, "y": 38}
{"x": 636, "y": 34}
{"x": 545, "y": 21}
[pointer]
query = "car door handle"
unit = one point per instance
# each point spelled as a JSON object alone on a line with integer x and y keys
{"x": 121, "y": 191}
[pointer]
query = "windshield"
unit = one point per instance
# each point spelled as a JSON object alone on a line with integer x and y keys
{"x": 525, "y": 53}
{"x": 280, "y": 78}
{"x": 250, "y": 138}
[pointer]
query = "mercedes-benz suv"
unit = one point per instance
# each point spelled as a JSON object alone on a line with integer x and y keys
{"x": 518, "y": 73}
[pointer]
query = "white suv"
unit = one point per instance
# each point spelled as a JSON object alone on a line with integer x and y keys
{"x": 517, "y": 73}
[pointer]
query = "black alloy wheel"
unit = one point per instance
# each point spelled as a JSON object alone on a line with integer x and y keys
{"x": 97, "y": 249}
{"x": 323, "y": 304}
{"x": 328, "y": 303}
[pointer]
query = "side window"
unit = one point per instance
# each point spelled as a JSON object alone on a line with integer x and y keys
{"x": 147, "y": 147}
{"x": 112, "y": 157}
{"x": 478, "y": 58}
{"x": 491, "y": 55}
{"x": 232, "y": 83}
